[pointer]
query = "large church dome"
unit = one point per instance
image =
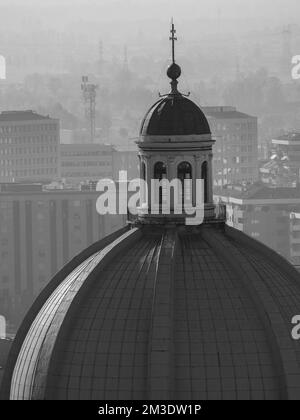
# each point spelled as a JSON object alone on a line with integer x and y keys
{"x": 174, "y": 115}
{"x": 163, "y": 313}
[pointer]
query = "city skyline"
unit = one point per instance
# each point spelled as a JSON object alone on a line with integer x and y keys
{"x": 114, "y": 304}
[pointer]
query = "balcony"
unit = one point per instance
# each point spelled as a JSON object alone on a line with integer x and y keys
{"x": 213, "y": 213}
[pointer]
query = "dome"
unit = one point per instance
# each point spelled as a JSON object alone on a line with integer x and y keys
{"x": 189, "y": 313}
{"x": 174, "y": 115}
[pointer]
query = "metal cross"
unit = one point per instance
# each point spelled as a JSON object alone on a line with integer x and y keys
{"x": 173, "y": 38}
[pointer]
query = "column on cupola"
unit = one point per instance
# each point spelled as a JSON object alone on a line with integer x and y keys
{"x": 149, "y": 176}
{"x": 210, "y": 178}
{"x": 198, "y": 175}
{"x": 171, "y": 168}
{"x": 172, "y": 174}
{"x": 143, "y": 176}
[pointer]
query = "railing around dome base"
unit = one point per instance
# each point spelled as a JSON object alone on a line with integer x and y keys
{"x": 213, "y": 213}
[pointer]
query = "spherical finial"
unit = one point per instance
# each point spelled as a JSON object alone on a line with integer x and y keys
{"x": 174, "y": 71}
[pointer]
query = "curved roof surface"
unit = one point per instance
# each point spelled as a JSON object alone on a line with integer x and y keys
{"x": 174, "y": 115}
{"x": 158, "y": 313}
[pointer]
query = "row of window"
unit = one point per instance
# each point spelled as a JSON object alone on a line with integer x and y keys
{"x": 85, "y": 163}
{"x": 27, "y": 140}
{"x": 30, "y": 172}
{"x": 33, "y": 161}
{"x": 28, "y": 150}
{"x": 234, "y": 159}
{"x": 86, "y": 153}
{"x": 86, "y": 174}
{"x": 236, "y": 149}
{"x": 249, "y": 125}
{"x": 31, "y": 127}
{"x": 242, "y": 159}
{"x": 236, "y": 139}
{"x": 235, "y": 171}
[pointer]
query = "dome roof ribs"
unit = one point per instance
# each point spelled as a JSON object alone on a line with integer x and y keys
{"x": 45, "y": 335}
{"x": 161, "y": 368}
{"x": 165, "y": 313}
{"x": 266, "y": 294}
{"x": 40, "y": 301}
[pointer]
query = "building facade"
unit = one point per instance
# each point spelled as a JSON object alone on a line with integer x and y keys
{"x": 91, "y": 162}
{"x": 236, "y": 148}
{"x": 5, "y": 345}
{"x": 40, "y": 232}
{"x": 295, "y": 238}
{"x": 264, "y": 214}
{"x": 81, "y": 162}
{"x": 125, "y": 159}
{"x": 283, "y": 165}
{"x": 28, "y": 147}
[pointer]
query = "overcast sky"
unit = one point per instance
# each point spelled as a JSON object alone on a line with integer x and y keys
{"x": 141, "y": 9}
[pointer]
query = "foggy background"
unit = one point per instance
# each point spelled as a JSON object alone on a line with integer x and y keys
{"x": 276, "y": 10}
{"x": 49, "y": 45}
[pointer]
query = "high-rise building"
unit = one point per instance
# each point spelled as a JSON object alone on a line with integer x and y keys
{"x": 92, "y": 162}
{"x": 40, "y": 231}
{"x": 236, "y": 147}
{"x": 28, "y": 147}
{"x": 263, "y": 213}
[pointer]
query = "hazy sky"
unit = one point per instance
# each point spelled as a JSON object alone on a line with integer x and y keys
{"x": 277, "y": 10}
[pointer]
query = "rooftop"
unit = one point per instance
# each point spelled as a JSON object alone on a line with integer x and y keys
{"x": 86, "y": 146}
{"x": 27, "y": 115}
{"x": 292, "y": 136}
{"x": 174, "y": 115}
{"x": 259, "y": 192}
{"x": 15, "y": 188}
{"x": 224, "y": 112}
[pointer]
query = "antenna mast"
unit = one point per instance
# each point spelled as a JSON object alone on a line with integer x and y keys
{"x": 89, "y": 96}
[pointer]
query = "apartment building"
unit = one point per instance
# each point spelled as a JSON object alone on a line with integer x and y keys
{"x": 28, "y": 147}
{"x": 40, "y": 231}
{"x": 264, "y": 214}
{"x": 236, "y": 147}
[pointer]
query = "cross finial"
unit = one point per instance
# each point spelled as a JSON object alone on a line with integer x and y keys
{"x": 173, "y": 38}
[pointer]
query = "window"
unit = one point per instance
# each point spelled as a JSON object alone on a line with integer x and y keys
{"x": 184, "y": 172}
{"x": 160, "y": 172}
{"x": 143, "y": 171}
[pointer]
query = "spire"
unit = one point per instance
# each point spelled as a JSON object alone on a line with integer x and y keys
{"x": 173, "y": 38}
{"x": 174, "y": 70}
